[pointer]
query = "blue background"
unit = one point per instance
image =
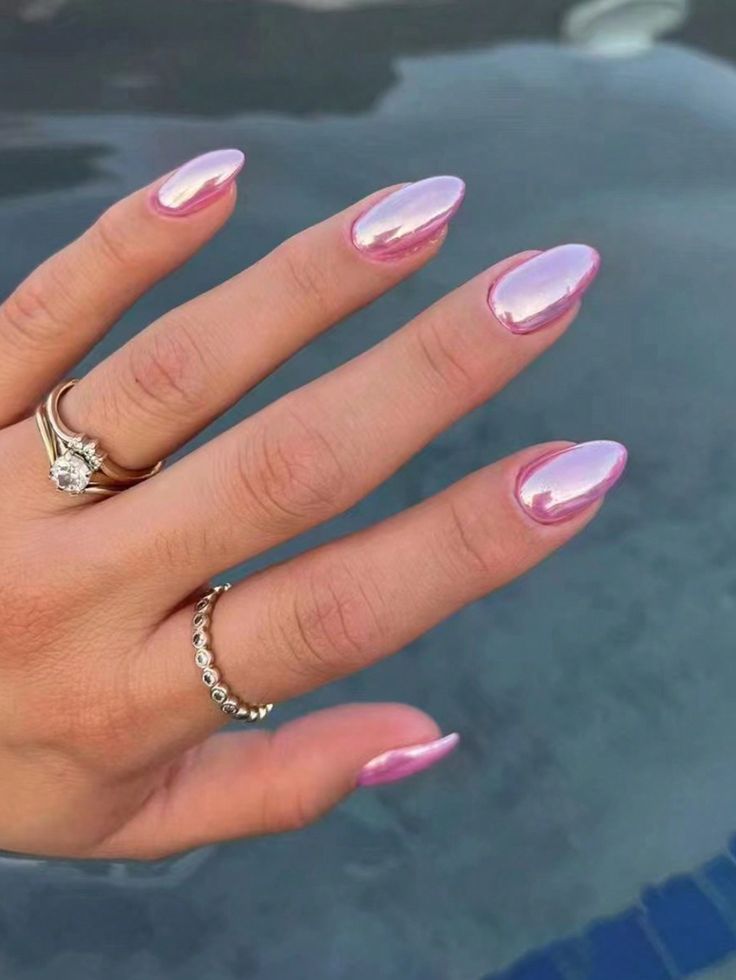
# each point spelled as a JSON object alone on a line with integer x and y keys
{"x": 595, "y": 697}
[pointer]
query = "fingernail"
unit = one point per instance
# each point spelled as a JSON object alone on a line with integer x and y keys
{"x": 400, "y": 763}
{"x": 198, "y": 183}
{"x": 540, "y": 290}
{"x": 409, "y": 218}
{"x": 557, "y": 486}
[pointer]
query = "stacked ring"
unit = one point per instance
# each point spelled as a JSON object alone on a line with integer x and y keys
{"x": 205, "y": 660}
{"x": 78, "y": 465}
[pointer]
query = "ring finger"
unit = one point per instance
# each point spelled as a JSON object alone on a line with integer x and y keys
{"x": 341, "y": 607}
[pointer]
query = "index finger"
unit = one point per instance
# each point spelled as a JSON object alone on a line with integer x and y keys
{"x": 63, "y": 308}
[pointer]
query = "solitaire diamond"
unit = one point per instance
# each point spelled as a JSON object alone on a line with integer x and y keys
{"x": 71, "y": 473}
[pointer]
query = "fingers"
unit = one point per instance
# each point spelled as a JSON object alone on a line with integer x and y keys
{"x": 151, "y": 396}
{"x": 320, "y": 449}
{"x": 65, "y": 306}
{"x": 340, "y": 608}
{"x": 238, "y": 785}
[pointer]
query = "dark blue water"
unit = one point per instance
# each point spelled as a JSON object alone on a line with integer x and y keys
{"x": 595, "y": 697}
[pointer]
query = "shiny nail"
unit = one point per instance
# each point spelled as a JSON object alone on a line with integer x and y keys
{"x": 542, "y": 288}
{"x": 409, "y": 218}
{"x": 198, "y": 183}
{"x": 400, "y": 763}
{"x": 558, "y": 486}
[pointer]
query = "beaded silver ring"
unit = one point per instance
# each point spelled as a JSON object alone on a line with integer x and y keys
{"x": 204, "y": 658}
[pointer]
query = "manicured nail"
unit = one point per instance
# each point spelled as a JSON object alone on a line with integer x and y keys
{"x": 198, "y": 183}
{"x": 540, "y": 290}
{"x": 409, "y": 218}
{"x": 558, "y": 486}
{"x": 400, "y": 763}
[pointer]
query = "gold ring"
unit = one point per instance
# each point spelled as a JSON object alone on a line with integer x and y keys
{"x": 78, "y": 464}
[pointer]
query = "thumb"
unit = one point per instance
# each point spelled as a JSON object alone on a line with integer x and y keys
{"x": 244, "y": 784}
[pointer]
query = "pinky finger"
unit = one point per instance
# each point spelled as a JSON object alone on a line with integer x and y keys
{"x": 246, "y": 784}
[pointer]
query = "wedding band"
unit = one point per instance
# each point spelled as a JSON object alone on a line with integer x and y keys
{"x": 205, "y": 660}
{"x": 78, "y": 464}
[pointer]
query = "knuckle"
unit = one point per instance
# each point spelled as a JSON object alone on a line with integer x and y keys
{"x": 168, "y": 372}
{"x": 447, "y": 357}
{"x": 286, "y": 803}
{"x": 306, "y": 276}
{"x": 292, "y": 809}
{"x": 336, "y": 622}
{"x": 112, "y": 242}
{"x": 34, "y": 312}
{"x": 287, "y": 471}
{"x": 471, "y": 541}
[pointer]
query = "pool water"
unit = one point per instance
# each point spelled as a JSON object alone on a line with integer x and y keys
{"x": 594, "y": 697}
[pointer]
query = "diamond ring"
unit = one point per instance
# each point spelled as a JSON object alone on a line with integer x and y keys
{"x": 204, "y": 658}
{"x": 78, "y": 464}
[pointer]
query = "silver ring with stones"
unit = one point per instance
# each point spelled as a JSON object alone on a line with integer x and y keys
{"x": 78, "y": 464}
{"x": 204, "y": 658}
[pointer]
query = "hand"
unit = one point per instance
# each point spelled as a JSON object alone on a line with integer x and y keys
{"x": 108, "y": 739}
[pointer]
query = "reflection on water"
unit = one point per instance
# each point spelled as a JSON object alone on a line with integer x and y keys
{"x": 33, "y": 169}
{"x": 212, "y": 58}
{"x": 622, "y": 27}
{"x": 111, "y": 874}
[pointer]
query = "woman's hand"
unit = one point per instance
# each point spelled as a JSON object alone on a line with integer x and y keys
{"x": 107, "y": 736}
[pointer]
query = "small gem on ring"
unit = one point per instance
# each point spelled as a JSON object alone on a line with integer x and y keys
{"x": 219, "y": 694}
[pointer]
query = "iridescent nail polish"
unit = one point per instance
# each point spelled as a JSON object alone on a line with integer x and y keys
{"x": 558, "y": 486}
{"x": 542, "y": 288}
{"x": 409, "y": 218}
{"x": 400, "y": 763}
{"x": 198, "y": 183}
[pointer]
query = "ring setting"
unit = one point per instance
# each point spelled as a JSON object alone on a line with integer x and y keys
{"x": 77, "y": 462}
{"x": 74, "y": 468}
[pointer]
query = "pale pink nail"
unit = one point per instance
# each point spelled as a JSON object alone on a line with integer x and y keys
{"x": 198, "y": 183}
{"x": 561, "y": 484}
{"x": 400, "y": 763}
{"x": 408, "y": 218}
{"x": 542, "y": 288}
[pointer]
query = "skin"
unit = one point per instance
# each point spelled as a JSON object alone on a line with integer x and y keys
{"x": 109, "y": 746}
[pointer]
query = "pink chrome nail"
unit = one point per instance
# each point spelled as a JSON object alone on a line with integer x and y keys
{"x": 558, "y": 486}
{"x": 198, "y": 183}
{"x": 408, "y": 218}
{"x": 400, "y": 763}
{"x": 540, "y": 290}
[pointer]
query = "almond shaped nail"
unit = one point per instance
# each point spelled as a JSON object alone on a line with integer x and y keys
{"x": 399, "y": 763}
{"x": 198, "y": 183}
{"x": 537, "y": 292}
{"x": 560, "y": 485}
{"x": 409, "y": 218}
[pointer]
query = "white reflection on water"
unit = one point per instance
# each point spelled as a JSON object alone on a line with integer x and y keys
{"x": 37, "y": 11}
{"x": 122, "y": 874}
{"x": 620, "y": 28}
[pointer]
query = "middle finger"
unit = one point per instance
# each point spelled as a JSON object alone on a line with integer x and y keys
{"x": 318, "y": 450}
